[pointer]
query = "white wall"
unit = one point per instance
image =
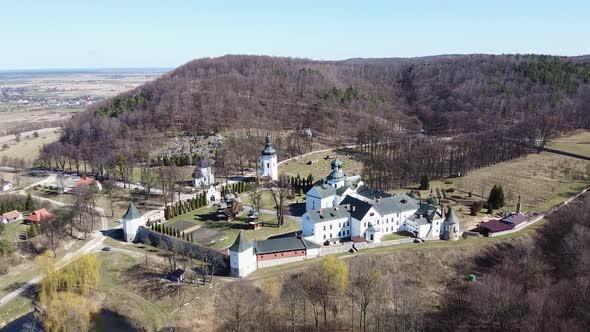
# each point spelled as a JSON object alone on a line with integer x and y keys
{"x": 130, "y": 228}
{"x": 269, "y": 167}
{"x": 315, "y": 203}
{"x": 244, "y": 262}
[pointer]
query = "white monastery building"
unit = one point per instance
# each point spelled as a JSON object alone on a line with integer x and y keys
{"x": 203, "y": 174}
{"x": 339, "y": 211}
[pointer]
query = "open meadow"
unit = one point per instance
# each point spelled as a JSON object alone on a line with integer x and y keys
{"x": 578, "y": 143}
{"x": 318, "y": 165}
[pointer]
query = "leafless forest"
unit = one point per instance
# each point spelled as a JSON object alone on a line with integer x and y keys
{"x": 476, "y": 99}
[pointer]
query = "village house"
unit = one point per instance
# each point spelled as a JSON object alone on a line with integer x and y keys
{"x": 85, "y": 183}
{"x": 10, "y": 216}
{"x": 5, "y": 185}
{"x": 39, "y": 215}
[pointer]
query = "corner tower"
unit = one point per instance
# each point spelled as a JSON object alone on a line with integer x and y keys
{"x": 268, "y": 161}
{"x": 242, "y": 260}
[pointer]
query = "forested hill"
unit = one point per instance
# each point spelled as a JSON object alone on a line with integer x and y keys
{"x": 446, "y": 94}
{"x": 341, "y": 101}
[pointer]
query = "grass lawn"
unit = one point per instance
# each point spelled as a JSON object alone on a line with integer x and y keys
{"x": 28, "y": 148}
{"x": 120, "y": 299}
{"x": 205, "y": 218}
{"x": 16, "y": 308}
{"x": 14, "y": 229}
{"x": 351, "y": 164}
{"x": 542, "y": 180}
{"x": 578, "y": 143}
{"x": 394, "y": 236}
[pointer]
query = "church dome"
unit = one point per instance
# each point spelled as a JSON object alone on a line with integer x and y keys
{"x": 268, "y": 149}
{"x": 336, "y": 174}
{"x": 336, "y": 163}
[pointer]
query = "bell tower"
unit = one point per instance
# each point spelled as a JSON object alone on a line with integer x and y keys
{"x": 268, "y": 161}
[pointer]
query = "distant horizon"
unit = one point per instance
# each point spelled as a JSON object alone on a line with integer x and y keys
{"x": 164, "y": 69}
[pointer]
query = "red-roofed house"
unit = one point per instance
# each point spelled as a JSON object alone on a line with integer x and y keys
{"x": 39, "y": 215}
{"x": 10, "y": 216}
{"x": 85, "y": 182}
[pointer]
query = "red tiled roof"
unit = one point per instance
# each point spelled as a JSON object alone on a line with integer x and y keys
{"x": 11, "y": 215}
{"x": 39, "y": 215}
{"x": 84, "y": 182}
{"x": 357, "y": 239}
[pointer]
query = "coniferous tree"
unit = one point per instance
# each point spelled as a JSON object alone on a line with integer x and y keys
{"x": 496, "y": 198}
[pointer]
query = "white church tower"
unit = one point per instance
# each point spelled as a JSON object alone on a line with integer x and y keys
{"x": 242, "y": 260}
{"x": 268, "y": 161}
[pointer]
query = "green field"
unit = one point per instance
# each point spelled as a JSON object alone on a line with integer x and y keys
{"x": 578, "y": 143}
{"x": 29, "y": 147}
{"x": 351, "y": 165}
{"x": 204, "y": 217}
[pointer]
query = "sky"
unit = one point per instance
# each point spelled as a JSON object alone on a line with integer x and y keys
{"x": 167, "y": 33}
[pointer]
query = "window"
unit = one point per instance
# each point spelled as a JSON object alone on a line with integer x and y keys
{"x": 330, "y": 227}
{"x": 371, "y": 237}
{"x": 371, "y": 214}
{"x": 347, "y": 223}
{"x": 365, "y": 224}
{"x": 330, "y": 235}
{"x": 324, "y": 227}
{"x": 324, "y": 236}
{"x": 339, "y": 225}
{"x": 386, "y": 229}
{"x": 267, "y": 165}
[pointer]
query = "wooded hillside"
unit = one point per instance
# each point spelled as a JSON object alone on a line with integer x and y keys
{"x": 338, "y": 100}
{"x": 445, "y": 94}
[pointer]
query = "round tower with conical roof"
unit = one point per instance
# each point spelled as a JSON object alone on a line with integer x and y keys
{"x": 132, "y": 219}
{"x": 451, "y": 230}
{"x": 242, "y": 260}
{"x": 269, "y": 166}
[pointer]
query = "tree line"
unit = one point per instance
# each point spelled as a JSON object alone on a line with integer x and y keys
{"x": 393, "y": 160}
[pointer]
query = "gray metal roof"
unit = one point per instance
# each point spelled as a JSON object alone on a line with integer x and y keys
{"x": 395, "y": 204}
{"x": 280, "y": 245}
{"x": 328, "y": 214}
{"x": 268, "y": 149}
{"x": 336, "y": 174}
{"x": 358, "y": 208}
{"x": 451, "y": 218}
{"x": 371, "y": 193}
{"x": 132, "y": 212}
{"x": 341, "y": 190}
{"x": 336, "y": 163}
{"x": 240, "y": 244}
{"x": 324, "y": 190}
